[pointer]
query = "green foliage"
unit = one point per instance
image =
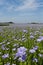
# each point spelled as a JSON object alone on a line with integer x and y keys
{"x": 4, "y": 24}
{"x": 9, "y": 37}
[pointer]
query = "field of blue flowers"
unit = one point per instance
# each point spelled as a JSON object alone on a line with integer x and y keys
{"x": 21, "y": 47}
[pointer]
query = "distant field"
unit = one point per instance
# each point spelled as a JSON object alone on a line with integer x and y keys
{"x": 4, "y": 24}
{"x": 22, "y": 26}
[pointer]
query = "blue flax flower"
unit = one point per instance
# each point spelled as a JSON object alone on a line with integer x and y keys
{"x": 21, "y": 54}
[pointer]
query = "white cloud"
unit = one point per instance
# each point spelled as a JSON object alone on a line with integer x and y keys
{"x": 28, "y": 4}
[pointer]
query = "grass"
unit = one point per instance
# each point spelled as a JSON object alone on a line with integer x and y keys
{"x": 21, "y": 38}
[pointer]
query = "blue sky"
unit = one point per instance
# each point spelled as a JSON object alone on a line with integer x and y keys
{"x": 21, "y": 11}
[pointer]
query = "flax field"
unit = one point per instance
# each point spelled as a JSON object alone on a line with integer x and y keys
{"x": 21, "y": 46}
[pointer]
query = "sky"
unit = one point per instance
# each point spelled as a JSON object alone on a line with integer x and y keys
{"x": 21, "y": 11}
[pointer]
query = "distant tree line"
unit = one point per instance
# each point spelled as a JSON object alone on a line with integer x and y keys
{"x": 5, "y": 23}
